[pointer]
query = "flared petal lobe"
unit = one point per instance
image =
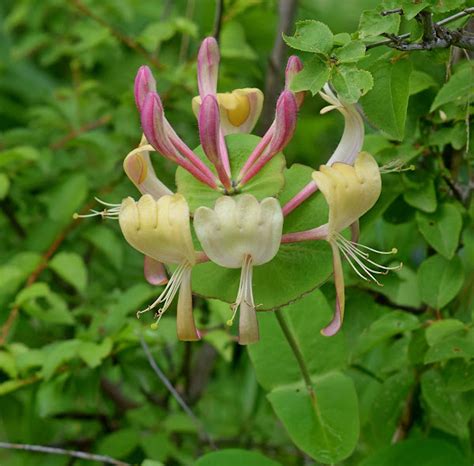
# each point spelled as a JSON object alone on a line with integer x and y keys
{"x": 139, "y": 169}
{"x": 350, "y": 191}
{"x": 240, "y": 226}
{"x": 239, "y": 109}
{"x": 159, "y": 229}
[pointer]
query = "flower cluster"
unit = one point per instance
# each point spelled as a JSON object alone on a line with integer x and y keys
{"x": 239, "y": 231}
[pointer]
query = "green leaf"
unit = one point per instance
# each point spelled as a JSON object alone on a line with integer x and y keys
{"x": 387, "y": 406}
{"x": 71, "y": 268}
{"x": 450, "y": 411}
{"x": 8, "y": 364}
{"x": 420, "y": 81}
{"x": 235, "y": 457}
{"x": 442, "y": 6}
{"x": 39, "y": 301}
{"x": 459, "y": 375}
{"x": 311, "y": 36}
{"x": 58, "y": 354}
{"x": 295, "y": 270}
{"x": 268, "y": 182}
{"x": 440, "y": 280}
{"x": 458, "y": 89}
{"x": 351, "y": 83}
{"x": 325, "y": 427}
{"x": 441, "y": 229}
{"x": 67, "y": 198}
{"x": 342, "y": 38}
{"x": 119, "y": 444}
{"x": 350, "y": 52}
{"x": 108, "y": 243}
{"x": 412, "y": 7}
{"x": 312, "y": 77}
{"x": 4, "y": 185}
{"x": 440, "y": 329}
{"x": 457, "y": 345}
{"x": 420, "y": 452}
{"x": 152, "y": 463}
{"x": 386, "y": 104}
{"x": 18, "y": 154}
{"x": 92, "y": 353}
{"x": 387, "y": 326}
{"x": 422, "y": 195}
{"x": 272, "y": 357}
{"x": 233, "y": 43}
{"x": 372, "y": 23}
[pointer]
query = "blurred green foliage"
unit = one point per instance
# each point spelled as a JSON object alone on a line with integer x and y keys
{"x": 72, "y": 370}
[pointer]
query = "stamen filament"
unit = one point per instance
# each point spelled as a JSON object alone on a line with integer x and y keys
{"x": 396, "y": 166}
{"x": 168, "y": 294}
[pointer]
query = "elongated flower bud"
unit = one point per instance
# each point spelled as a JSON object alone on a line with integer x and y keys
{"x": 153, "y": 124}
{"x": 144, "y": 83}
{"x": 208, "y": 66}
{"x": 293, "y": 67}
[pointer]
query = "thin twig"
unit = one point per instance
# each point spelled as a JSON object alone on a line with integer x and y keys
{"x": 60, "y": 143}
{"x": 394, "y": 11}
{"x": 174, "y": 392}
{"x": 218, "y": 19}
{"x": 454, "y": 37}
{"x": 61, "y": 451}
{"x": 127, "y": 40}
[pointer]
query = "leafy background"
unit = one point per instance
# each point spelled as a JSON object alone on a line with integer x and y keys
{"x": 395, "y": 387}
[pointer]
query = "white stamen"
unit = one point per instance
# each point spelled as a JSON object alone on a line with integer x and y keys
{"x": 111, "y": 212}
{"x": 168, "y": 294}
{"x": 396, "y": 166}
{"x": 352, "y": 252}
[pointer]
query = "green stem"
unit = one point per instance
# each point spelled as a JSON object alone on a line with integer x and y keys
{"x": 290, "y": 338}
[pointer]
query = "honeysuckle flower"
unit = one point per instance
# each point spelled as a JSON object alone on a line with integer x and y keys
{"x": 350, "y": 192}
{"x": 293, "y": 67}
{"x": 241, "y": 232}
{"x": 160, "y": 229}
{"x": 346, "y": 151}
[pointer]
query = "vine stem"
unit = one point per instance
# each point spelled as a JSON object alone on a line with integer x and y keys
{"x": 61, "y": 451}
{"x": 295, "y": 347}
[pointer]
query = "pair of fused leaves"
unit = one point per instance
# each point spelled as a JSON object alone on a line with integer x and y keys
{"x": 297, "y": 268}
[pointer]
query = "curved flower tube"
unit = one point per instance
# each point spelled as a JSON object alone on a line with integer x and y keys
{"x": 241, "y": 232}
{"x": 346, "y": 151}
{"x": 161, "y": 230}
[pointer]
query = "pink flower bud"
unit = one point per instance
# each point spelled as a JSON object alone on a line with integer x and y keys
{"x": 208, "y": 66}
{"x": 144, "y": 83}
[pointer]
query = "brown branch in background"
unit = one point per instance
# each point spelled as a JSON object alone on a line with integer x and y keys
{"x": 276, "y": 63}
{"x": 60, "y": 143}
{"x": 61, "y": 451}
{"x": 218, "y": 19}
{"x": 435, "y": 36}
{"x": 9, "y": 212}
{"x": 127, "y": 40}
